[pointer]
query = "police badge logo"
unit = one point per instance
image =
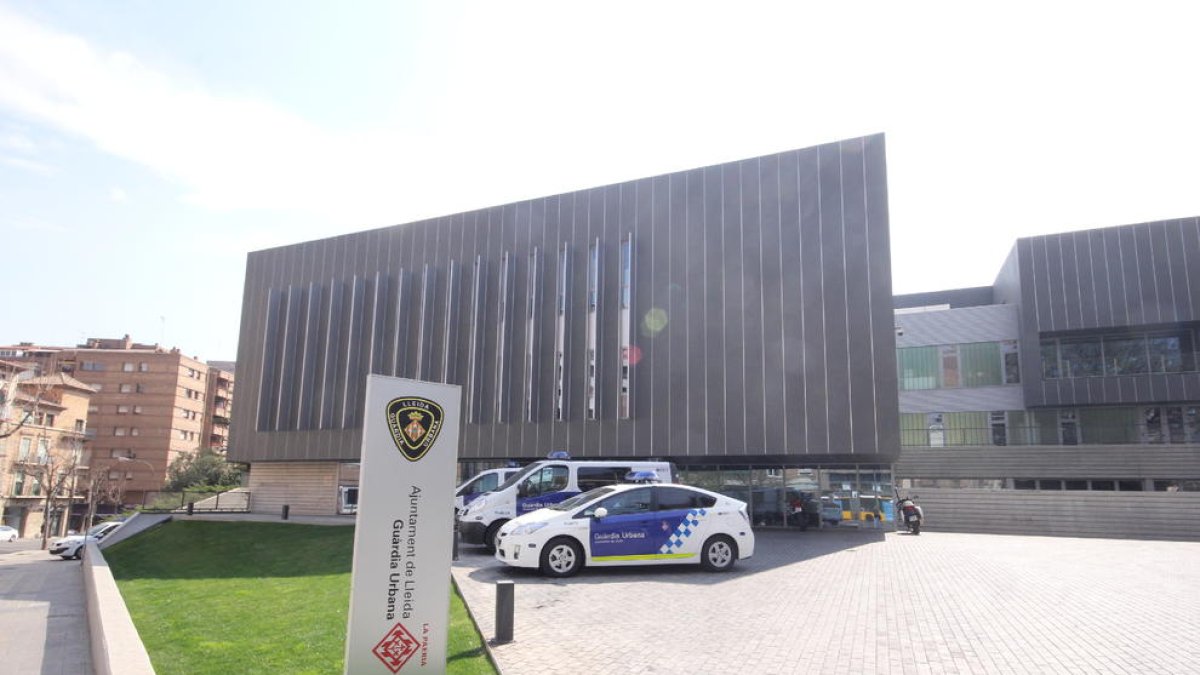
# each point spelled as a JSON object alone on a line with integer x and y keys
{"x": 414, "y": 424}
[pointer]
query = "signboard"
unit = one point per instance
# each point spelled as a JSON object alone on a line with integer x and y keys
{"x": 400, "y": 581}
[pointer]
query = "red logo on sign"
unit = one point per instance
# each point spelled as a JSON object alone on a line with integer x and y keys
{"x": 396, "y": 648}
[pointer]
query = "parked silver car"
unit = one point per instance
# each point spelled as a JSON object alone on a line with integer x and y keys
{"x": 7, "y": 533}
{"x": 72, "y": 547}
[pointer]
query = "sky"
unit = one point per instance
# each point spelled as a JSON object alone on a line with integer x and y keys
{"x": 146, "y": 147}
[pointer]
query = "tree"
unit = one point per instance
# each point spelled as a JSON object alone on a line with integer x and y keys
{"x": 9, "y": 393}
{"x": 203, "y": 468}
{"x": 53, "y": 471}
{"x": 101, "y": 489}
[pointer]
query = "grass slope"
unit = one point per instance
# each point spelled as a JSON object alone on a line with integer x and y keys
{"x": 246, "y": 597}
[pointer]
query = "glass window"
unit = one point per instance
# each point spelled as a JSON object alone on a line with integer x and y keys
{"x": 592, "y": 477}
{"x": 1125, "y": 356}
{"x": 548, "y": 479}
{"x": 1166, "y": 355}
{"x": 560, "y": 334}
{"x": 918, "y": 368}
{"x": 1050, "y": 370}
{"x": 1104, "y": 485}
{"x": 912, "y": 430}
{"x": 593, "y": 331}
{"x": 1050, "y": 484}
{"x": 1130, "y": 485}
{"x": 981, "y": 364}
{"x": 127, "y": 367}
{"x": 633, "y": 501}
{"x": 674, "y": 499}
{"x": 1012, "y": 362}
{"x": 967, "y": 428}
{"x": 1076, "y": 484}
{"x": 1024, "y": 484}
{"x": 950, "y": 366}
{"x": 1106, "y": 426}
{"x": 1081, "y": 358}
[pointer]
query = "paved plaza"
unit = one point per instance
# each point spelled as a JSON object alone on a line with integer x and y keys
{"x": 871, "y": 601}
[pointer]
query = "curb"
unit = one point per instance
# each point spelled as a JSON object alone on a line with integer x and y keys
{"x": 487, "y": 646}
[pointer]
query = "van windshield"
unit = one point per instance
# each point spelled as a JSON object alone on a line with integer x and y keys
{"x": 580, "y": 499}
{"x": 518, "y": 477}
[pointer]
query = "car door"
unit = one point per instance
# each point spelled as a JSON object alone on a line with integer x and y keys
{"x": 545, "y": 487}
{"x": 626, "y": 533}
{"x": 684, "y": 520}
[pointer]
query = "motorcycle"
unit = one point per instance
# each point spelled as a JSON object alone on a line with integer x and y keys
{"x": 911, "y": 514}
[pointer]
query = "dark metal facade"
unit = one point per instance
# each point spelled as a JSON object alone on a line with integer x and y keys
{"x": 738, "y": 313}
{"x": 1128, "y": 278}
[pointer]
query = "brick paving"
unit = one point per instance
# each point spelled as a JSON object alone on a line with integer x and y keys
{"x": 846, "y": 601}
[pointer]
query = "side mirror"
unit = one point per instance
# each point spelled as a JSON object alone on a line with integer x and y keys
{"x": 600, "y": 513}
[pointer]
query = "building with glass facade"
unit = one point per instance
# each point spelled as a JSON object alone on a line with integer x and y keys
{"x": 1065, "y": 398}
{"x": 734, "y": 319}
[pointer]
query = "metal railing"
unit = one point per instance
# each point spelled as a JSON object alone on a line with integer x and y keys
{"x": 236, "y": 500}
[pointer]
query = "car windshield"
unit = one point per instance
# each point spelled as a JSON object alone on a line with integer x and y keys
{"x": 516, "y": 477}
{"x": 96, "y": 529}
{"x": 581, "y": 498}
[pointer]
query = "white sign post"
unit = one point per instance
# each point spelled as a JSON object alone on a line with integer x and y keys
{"x": 400, "y": 581}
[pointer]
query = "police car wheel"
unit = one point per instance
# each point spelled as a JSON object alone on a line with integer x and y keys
{"x": 562, "y": 557}
{"x": 491, "y": 536}
{"x": 719, "y": 554}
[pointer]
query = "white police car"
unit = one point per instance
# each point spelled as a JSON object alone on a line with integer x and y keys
{"x": 631, "y": 524}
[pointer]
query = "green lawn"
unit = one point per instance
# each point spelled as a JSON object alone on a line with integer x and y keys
{"x": 246, "y": 597}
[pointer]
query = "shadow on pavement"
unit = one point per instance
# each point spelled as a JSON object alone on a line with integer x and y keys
{"x": 773, "y": 549}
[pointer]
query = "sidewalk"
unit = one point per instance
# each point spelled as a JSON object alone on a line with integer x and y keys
{"x": 43, "y": 619}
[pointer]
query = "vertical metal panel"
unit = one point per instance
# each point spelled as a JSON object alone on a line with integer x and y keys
{"x": 532, "y": 319}
{"x": 752, "y": 301}
{"x": 714, "y": 314}
{"x": 654, "y": 322}
{"x": 450, "y": 330}
{"x": 792, "y": 333}
{"x": 833, "y": 261}
{"x": 1127, "y": 247}
{"x": 1147, "y": 268}
{"x": 426, "y": 322}
{"x": 353, "y": 376}
{"x": 1055, "y": 257}
{"x": 1071, "y": 293}
{"x": 859, "y": 333}
{"x": 377, "y": 324}
{"x": 813, "y": 303}
{"x": 333, "y": 348}
{"x": 269, "y": 377}
{"x": 1173, "y": 252}
{"x": 310, "y": 358}
{"x": 1086, "y": 282}
{"x": 696, "y": 276}
{"x": 733, "y": 322}
{"x": 774, "y": 415}
{"x": 503, "y": 332}
{"x": 289, "y": 359}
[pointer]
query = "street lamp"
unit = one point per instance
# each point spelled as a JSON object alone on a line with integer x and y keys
{"x": 125, "y": 475}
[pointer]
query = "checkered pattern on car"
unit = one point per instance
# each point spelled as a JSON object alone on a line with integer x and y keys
{"x": 683, "y": 531}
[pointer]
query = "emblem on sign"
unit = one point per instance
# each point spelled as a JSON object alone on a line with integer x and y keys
{"x": 414, "y": 424}
{"x": 396, "y": 648}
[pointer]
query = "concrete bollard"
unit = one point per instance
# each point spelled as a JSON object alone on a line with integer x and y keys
{"x": 286, "y": 508}
{"x": 191, "y": 507}
{"x": 457, "y": 535}
{"x": 505, "y": 604}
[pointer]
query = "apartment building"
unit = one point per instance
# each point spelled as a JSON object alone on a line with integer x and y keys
{"x": 150, "y": 406}
{"x": 1064, "y": 398}
{"x": 43, "y": 456}
{"x": 218, "y": 405}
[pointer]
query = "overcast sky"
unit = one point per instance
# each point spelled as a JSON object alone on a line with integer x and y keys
{"x": 147, "y": 146}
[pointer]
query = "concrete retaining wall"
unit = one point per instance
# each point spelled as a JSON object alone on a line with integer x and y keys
{"x": 116, "y": 645}
{"x": 1117, "y": 515}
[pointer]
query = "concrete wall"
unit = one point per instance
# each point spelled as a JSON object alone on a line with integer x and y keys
{"x": 1041, "y": 461}
{"x": 1125, "y": 515}
{"x": 116, "y": 646}
{"x": 308, "y": 488}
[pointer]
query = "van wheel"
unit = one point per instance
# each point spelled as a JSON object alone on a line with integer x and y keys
{"x": 491, "y": 535}
{"x": 719, "y": 554}
{"x": 562, "y": 557}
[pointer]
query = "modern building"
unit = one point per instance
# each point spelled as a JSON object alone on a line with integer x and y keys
{"x": 149, "y": 407}
{"x": 735, "y": 319}
{"x": 43, "y": 460}
{"x": 1064, "y": 398}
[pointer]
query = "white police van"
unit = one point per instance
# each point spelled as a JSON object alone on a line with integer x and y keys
{"x": 543, "y": 484}
{"x": 630, "y": 524}
{"x": 481, "y": 484}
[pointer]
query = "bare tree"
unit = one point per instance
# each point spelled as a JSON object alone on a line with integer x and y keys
{"x": 10, "y": 391}
{"x": 101, "y": 489}
{"x": 53, "y": 468}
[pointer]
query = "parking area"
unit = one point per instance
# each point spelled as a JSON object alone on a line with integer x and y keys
{"x": 869, "y": 601}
